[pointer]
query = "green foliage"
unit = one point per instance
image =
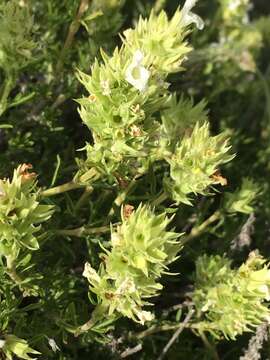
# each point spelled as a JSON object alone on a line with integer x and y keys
{"x": 231, "y": 300}
{"x": 242, "y": 199}
{"x": 20, "y": 212}
{"x": 196, "y": 161}
{"x": 16, "y": 42}
{"x": 141, "y": 250}
{"x": 126, "y": 90}
{"x": 164, "y": 107}
{"x": 12, "y": 345}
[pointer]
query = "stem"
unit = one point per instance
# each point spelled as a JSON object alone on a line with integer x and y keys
{"x": 131, "y": 351}
{"x": 4, "y": 93}
{"x": 162, "y": 197}
{"x": 88, "y": 190}
{"x": 62, "y": 188}
{"x": 123, "y": 195}
{"x": 78, "y": 232}
{"x": 176, "y": 334}
{"x": 85, "y": 327}
{"x": 198, "y": 230}
{"x": 73, "y": 29}
{"x": 209, "y": 346}
{"x": 156, "y": 329}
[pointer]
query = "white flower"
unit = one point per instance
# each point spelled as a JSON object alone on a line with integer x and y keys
{"x": 2, "y": 343}
{"x": 188, "y": 17}
{"x": 53, "y": 345}
{"x": 136, "y": 74}
{"x": 145, "y": 316}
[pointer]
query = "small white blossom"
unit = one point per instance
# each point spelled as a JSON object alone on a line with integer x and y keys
{"x": 188, "y": 17}
{"x": 145, "y": 316}
{"x": 136, "y": 74}
{"x": 2, "y": 343}
{"x": 53, "y": 345}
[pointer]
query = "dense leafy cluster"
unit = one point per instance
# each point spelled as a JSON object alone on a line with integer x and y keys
{"x": 231, "y": 300}
{"x": 20, "y": 212}
{"x": 147, "y": 123}
{"x": 141, "y": 249}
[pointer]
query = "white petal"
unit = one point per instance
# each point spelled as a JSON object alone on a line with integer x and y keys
{"x": 188, "y": 17}
{"x": 189, "y": 4}
{"x": 53, "y": 345}
{"x": 139, "y": 83}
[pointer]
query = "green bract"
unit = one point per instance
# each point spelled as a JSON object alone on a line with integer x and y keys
{"x": 20, "y": 213}
{"x": 231, "y": 301}
{"x": 196, "y": 161}
{"x": 179, "y": 117}
{"x": 141, "y": 250}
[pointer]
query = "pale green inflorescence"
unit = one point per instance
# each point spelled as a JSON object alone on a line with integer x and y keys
{"x": 141, "y": 249}
{"x": 231, "y": 301}
{"x": 127, "y": 89}
{"x": 20, "y": 213}
{"x": 194, "y": 165}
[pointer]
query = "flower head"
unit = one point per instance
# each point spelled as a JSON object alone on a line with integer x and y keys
{"x": 136, "y": 74}
{"x": 188, "y": 17}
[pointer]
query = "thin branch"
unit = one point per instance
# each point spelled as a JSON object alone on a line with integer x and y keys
{"x": 176, "y": 334}
{"x": 71, "y": 185}
{"x": 4, "y": 93}
{"x": 79, "y": 232}
{"x": 166, "y": 327}
{"x": 209, "y": 346}
{"x": 162, "y": 197}
{"x": 131, "y": 351}
{"x": 72, "y": 31}
{"x": 199, "y": 230}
